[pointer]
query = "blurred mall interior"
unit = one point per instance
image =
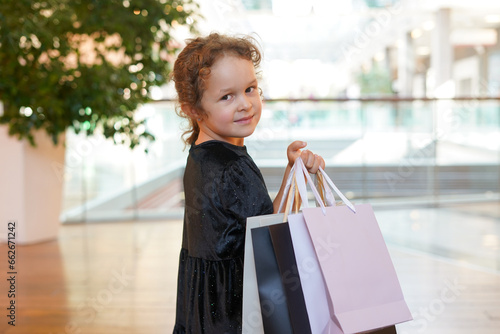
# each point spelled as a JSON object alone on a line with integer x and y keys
{"x": 401, "y": 98}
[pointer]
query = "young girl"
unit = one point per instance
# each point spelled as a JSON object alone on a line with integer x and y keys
{"x": 218, "y": 93}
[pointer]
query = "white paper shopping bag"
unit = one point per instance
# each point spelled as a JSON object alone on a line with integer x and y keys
{"x": 252, "y": 314}
{"x": 319, "y": 307}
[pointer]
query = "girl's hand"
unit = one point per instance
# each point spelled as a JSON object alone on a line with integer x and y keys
{"x": 311, "y": 161}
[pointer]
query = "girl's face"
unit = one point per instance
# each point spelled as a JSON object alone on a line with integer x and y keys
{"x": 231, "y": 102}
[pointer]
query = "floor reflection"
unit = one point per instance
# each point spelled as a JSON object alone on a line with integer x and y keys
{"x": 467, "y": 233}
{"x": 41, "y": 295}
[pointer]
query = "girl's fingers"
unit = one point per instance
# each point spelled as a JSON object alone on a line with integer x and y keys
{"x": 296, "y": 145}
{"x": 315, "y": 167}
{"x": 293, "y": 151}
{"x": 312, "y": 161}
{"x": 322, "y": 162}
{"x": 308, "y": 158}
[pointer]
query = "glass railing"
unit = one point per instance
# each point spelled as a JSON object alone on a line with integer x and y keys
{"x": 386, "y": 151}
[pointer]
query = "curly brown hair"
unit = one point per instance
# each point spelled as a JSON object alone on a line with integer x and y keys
{"x": 192, "y": 69}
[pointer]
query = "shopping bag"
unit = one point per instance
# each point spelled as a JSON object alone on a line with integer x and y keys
{"x": 361, "y": 281}
{"x": 358, "y": 271}
{"x": 289, "y": 275}
{"x": 252, "y": 313}
{"x": 271, "y": 270}
{"x": 272, "y": 296}
{"x": 273, "y": 266}
{"x": 385, "y": 330}
{"x": 320, "y": 308}
{"x": 318, "y": 305}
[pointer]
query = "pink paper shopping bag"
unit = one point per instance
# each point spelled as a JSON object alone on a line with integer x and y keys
{"x": 360, "y": 277}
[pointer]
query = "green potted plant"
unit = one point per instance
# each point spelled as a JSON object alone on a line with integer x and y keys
{"x": 79, "y": 64}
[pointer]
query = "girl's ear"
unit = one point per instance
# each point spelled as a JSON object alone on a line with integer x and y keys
{"x": 191, "y": 112}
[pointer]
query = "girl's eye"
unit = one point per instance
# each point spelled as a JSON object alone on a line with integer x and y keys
{"x": 249, "y": 89}
{"x": 225, "y": 97}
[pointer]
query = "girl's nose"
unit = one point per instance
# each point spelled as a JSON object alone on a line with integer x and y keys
{"x": 244, "y": 104}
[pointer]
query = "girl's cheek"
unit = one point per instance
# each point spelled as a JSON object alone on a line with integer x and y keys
{"x": 227, "y": 115}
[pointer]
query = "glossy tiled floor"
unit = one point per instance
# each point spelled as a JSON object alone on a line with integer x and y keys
{"x": 468, "y": 234}
{"x": 448, "y": 261}
{"x": 120, "y": 277}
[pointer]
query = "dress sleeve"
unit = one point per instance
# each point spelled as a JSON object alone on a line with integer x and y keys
{"x": 243, "y": 192}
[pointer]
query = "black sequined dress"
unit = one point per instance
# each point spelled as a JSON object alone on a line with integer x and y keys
{"x": 223, "y": 187}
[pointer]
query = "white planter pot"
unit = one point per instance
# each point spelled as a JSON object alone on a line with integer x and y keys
{"x": 30, "y": 187}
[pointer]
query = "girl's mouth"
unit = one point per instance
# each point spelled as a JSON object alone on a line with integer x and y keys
{"x": 244, "y": 120}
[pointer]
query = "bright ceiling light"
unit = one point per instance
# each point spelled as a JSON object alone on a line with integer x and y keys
{"x": 416, "y": 33}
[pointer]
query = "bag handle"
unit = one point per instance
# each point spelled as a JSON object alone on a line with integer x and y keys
{"x": 337, "y": 191}
{"x": 324, "y": 191}
{"x": 332, "y": 185}
{"x": 296, "y": 181}
{"x": 302, "y": 184}
{"x": 287, "y": 187}
{"x": 289, "y": 196}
